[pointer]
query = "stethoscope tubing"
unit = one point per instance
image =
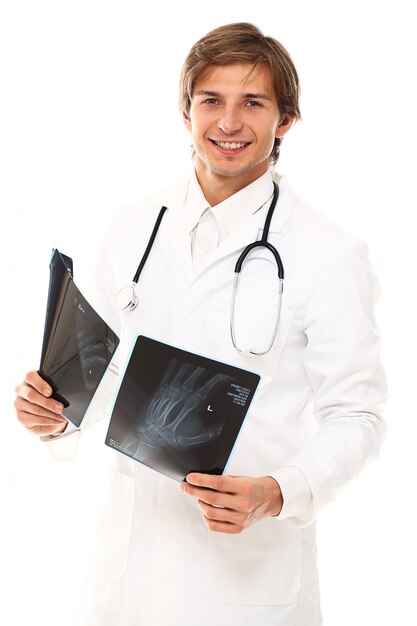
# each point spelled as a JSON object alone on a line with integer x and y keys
{"x": 263, "y": 242}
{"x": 150, "y": 244}
{"x": 127, "y": 299}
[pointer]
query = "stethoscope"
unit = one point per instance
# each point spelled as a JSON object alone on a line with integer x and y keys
{"x": 127, "y": 298}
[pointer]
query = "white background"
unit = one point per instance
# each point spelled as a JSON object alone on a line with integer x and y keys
{"x": 89, "y": 120}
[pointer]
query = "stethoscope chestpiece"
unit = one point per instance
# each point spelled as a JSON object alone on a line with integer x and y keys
{"x": 126, "y": 298}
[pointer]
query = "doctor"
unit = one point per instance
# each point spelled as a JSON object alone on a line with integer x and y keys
{"x": 237, "y": 549}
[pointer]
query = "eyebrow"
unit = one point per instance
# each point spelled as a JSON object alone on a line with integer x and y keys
{"x": 216, "y": 94}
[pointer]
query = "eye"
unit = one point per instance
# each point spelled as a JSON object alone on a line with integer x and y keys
{"x": 210, "y": 101}
{"x": 253, "y": 103}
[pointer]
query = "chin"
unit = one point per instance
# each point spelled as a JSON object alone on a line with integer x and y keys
{"x": 231, "y": 170}
{"x": 237, "y": 171}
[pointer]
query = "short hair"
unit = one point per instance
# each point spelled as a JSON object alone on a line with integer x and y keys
{"x": 243, "y": 43}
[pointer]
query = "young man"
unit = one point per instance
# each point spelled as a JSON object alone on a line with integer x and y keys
{"x": 239, "y": 548}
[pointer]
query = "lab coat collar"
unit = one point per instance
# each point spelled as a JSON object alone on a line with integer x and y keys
{"x": 195, "y": 203}
{"x": 286, "y": 202}
{"x": 232, "y": 211}
{"x": 175, "y": 226}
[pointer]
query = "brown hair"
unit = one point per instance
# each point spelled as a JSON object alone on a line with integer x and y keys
{"x": 243, "y": 43}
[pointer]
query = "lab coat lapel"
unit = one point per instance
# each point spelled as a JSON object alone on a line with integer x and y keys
{"x": 174, "y": 230}
{"x": 252, "y": 227}
{"x": 176, "y": 237}
{"x": 243, "y": 235}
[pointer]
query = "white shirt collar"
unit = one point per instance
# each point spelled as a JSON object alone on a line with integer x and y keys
{"x": 231, "y": 211}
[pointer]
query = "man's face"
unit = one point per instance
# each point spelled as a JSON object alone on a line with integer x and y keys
{"x": 234, "y": 120}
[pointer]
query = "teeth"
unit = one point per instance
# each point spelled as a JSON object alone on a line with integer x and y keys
{"x": 230, "y": 145}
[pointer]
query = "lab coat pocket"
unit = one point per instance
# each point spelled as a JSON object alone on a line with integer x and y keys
{"x": 261, "y": 566}
{"x": 115, "y": 527}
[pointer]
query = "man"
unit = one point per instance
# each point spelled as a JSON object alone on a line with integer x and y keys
{"x": 239, "y": 548}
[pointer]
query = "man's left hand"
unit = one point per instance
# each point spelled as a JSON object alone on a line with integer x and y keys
{"x": 232, "y": 503}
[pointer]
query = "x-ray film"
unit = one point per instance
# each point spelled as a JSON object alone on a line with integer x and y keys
{"x": 77, "y": 344}
{"x": 177, "y": 411}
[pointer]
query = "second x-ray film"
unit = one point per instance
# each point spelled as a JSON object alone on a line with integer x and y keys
{"x": 177, "y": 411}
{"x": 77, "y": 345}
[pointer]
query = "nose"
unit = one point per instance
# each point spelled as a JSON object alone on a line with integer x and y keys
{"x": 230, "y": 121}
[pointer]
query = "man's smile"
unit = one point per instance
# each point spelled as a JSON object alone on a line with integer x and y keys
{"x": 231, "y": 146}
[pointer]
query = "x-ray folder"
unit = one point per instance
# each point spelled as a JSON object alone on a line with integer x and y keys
{"x": 77, "y": 344}
{"x": 177, "y": 411}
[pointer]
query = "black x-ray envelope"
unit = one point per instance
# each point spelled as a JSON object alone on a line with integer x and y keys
{"x": 77, "y": 344}
{"x": 177, "y": 411}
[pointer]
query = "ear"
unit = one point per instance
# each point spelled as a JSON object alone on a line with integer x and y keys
{"x": 186, "y": 120}
{"x": 284, "y": 126}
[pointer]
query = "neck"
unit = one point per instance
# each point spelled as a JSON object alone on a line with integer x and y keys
{"x": 217, "y": 188}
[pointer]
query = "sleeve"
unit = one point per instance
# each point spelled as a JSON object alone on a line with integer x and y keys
{"x": 348, "y": 384}
{"x": 64, "y": 446}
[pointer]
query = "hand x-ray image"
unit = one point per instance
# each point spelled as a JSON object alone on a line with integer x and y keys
{"x": 177, "y": 411}
{"x": 77, "y": 346}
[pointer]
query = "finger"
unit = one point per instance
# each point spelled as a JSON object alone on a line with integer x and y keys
{"x": 227, "y": 484}
{"x": 47, "y": 429}
{"x": 222, "y": 527}
{"x": 25, "y": 406}
{"x": 32, "y": 422}
{"x": 214, "y": 498}
{"x": 29, "y": 393}
{"x": 221, "y": 514}
{"x": 37, "y": 382}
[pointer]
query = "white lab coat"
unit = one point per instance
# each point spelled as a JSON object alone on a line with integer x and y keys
{"x": 317, "y": 412}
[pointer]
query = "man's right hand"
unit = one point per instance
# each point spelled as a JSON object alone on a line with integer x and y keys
{"x": 35, "y": 409}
